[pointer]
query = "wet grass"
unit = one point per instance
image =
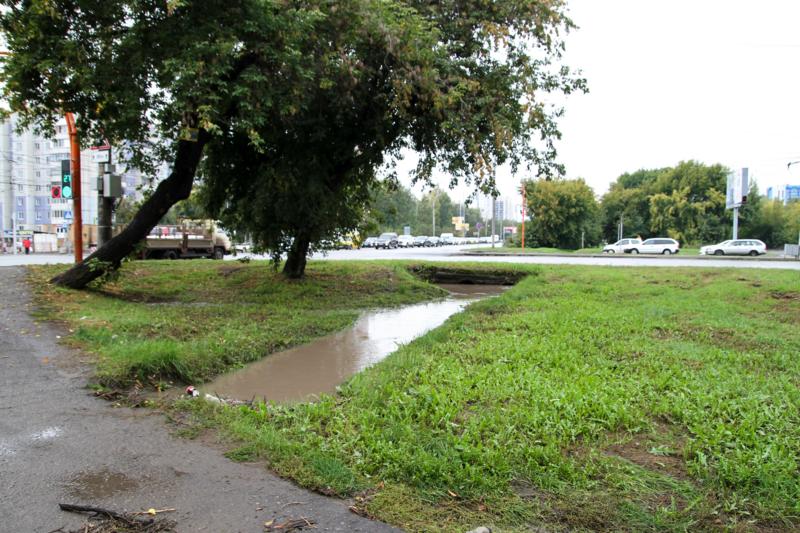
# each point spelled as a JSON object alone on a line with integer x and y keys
{"x": 190, "y": 320}
{"x": 583, "y": 399}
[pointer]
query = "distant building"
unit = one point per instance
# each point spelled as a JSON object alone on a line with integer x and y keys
{"x": 505, "y": 207}
{"x": 29, "y": 168}
{"x": 786, "y": 193}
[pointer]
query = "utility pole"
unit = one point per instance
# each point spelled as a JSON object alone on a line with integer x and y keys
{"x": 524, "y": 209}
{"x": 493, "y": 217}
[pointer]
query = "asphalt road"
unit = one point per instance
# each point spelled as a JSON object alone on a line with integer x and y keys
{"x": 58, "y": 444}
{"x": 458, "y": 253}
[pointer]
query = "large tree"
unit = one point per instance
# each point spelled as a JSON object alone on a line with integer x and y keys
{"x": 295, "y": 104}
{"x": 457, "y": 82}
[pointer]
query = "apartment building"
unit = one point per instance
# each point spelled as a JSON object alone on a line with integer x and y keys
{"x": 505, "y": 207}
{"x": 30, "y": 166}
{"x": 785, "y": 193}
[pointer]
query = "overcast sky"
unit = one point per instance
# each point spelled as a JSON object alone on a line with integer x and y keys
{"x": 717, "y": 81}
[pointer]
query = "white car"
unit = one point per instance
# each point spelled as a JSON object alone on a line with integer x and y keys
{"x": 655, "y": 246}
{"x": 405, "y": 241}
{"x": 751, "y": 247}
{"x": 243, "y": 247}
{"x": 620, "y": 247}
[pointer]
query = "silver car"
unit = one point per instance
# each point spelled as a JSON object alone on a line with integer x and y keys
{"x": 751, "y": 247}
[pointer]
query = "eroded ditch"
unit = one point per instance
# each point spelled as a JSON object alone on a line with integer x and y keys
{"x": 318, "y": 368}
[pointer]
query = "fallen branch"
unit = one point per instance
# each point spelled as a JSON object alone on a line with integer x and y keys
{"x": 111, "y": 521}
{"x": 103, "y": 511}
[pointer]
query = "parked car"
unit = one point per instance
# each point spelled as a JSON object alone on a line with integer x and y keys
{"x": 420, "y": 241}
{"x": 655, "y": 246}
{"x": 751, "y": 247}
{"x": 446, "y": 238}
{"x": 369, "y": 242}
{"x": 433, "y": 241}
{"x": 619, "y": 247}
{"x": 386, "y": 240}
{"x": 405, "y": 241}
{"x": 348, "y": 242}
{"x": 243, "y": 247}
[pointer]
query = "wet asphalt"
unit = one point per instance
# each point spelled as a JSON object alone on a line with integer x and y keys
{"x": 59, "y": 444}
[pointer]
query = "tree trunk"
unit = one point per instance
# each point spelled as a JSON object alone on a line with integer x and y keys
{"x": 178, "y": 186}
{"x": 295, "y": 266}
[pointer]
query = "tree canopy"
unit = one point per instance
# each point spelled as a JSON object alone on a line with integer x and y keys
{"x": 458, "y": 84}
{"x": 685, "y": 202}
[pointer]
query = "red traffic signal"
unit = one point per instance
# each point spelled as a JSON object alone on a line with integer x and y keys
{"x": 56, "y": 192}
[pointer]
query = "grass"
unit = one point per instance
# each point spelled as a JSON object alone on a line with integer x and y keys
{"x": 191, "y": 320}
{"x": 583, "y": 399}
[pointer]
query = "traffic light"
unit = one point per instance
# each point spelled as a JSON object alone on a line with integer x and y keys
{"x": 66, "y": 179}
{"x": 56, "y": 191}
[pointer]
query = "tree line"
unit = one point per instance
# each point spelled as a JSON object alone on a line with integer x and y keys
{"x": 397, "y": 208}
{"x": 685, "y": 202}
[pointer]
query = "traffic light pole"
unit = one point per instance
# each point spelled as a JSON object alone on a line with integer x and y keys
{"x": 75, "y": 157}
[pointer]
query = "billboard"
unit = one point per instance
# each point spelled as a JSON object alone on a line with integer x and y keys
{"x": 736, "y": 194}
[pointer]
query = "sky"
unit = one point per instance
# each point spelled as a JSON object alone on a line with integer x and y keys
{"x": 669, "y": 81}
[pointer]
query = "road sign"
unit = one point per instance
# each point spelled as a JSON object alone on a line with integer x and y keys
{"x": 479, "y": 225}
{"x": 101, "y": 156}
{"x": 68, "y": 216}
{"x": 101, "y": 145}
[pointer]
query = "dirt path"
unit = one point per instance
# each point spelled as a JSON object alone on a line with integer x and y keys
{"x": 57, "y": 444}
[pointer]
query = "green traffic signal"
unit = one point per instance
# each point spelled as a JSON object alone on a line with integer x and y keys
{"x": 66, "y": 179}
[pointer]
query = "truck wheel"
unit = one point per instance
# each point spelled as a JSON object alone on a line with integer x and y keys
{"x": 171, "y": 255}
{"x": 218, "y": 253}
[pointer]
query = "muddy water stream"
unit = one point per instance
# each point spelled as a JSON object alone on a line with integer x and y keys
{"x": 320, "y": 366}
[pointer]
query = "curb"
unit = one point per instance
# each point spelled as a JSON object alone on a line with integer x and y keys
{"x": 629, "y": 256}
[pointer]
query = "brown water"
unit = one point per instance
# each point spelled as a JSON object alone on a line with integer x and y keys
{"x": 318, "y": 367}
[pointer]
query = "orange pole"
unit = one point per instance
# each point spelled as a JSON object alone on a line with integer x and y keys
{"x": 523, "y": 215}
{"x": 75, "y": 156}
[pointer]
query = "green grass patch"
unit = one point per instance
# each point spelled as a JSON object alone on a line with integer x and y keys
{"x": 583, "y": 399}
{"x": 191, "y": 320}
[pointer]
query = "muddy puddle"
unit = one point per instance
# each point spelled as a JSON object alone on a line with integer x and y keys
{"x": 98, "y": 485}
{"x": 317, "y": 368}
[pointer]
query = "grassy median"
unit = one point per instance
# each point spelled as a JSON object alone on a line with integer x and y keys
{"x": 191, "y": 320}
{"x": 584, "y": 399}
